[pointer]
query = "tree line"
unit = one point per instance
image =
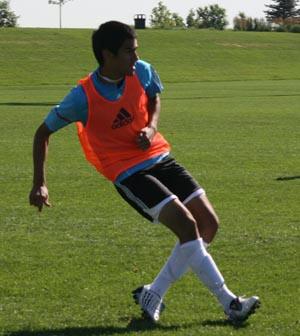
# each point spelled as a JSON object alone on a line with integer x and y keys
{"x": 280, "y": 15}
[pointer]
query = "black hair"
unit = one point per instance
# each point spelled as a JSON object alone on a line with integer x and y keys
{"x": 110, "y": 35}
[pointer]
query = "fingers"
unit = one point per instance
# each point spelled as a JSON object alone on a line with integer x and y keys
{"x": 44, "y": 202}
{"x": 145, "y": 137}
{"x": 40, "y": 207}
{"x": 39, "y": 202}
{"x": 143, "y": 141}
{"x": 39, "y": 197}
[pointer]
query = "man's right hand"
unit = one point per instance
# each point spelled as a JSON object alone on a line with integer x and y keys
{"x": 39, "y": 197}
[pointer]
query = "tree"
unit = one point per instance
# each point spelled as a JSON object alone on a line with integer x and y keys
{"x": 212, "y": 16}
{"x": 161, "y": 17}
{"x": 243, "y": 23}
{"x": 239, "y": 22}
{"x": 177, "y": 20}
{"x": 261, "y": 25}
{"x": 282, "y": 9}
{"x": 191, "y": 19}
{"x": 7, "y": 17}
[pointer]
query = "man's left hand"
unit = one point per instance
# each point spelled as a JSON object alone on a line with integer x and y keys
{"x": 145, "y": 137}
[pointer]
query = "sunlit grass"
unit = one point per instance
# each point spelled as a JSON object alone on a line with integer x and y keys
{"x": 70, "y": 269}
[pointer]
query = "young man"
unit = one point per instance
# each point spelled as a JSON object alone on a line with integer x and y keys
{"x": 117, "y": 109}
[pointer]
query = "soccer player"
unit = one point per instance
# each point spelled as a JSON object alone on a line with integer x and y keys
{"x": 117, "y": 109}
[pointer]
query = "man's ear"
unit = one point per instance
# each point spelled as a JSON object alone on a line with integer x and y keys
{"x": 107, "y": 55}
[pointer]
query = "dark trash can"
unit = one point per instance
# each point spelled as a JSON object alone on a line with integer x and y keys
{"x": 140, "y": 21}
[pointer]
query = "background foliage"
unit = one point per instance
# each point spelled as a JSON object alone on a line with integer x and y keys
{"x": 7, "y": 17}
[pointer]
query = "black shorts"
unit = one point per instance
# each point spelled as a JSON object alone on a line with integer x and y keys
{"x": 150, "y": 189}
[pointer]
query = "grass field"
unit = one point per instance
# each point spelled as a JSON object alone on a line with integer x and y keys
{"x": 230, "y": 109}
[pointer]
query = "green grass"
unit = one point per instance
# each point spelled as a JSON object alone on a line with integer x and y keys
{"x": 230, "y": 110}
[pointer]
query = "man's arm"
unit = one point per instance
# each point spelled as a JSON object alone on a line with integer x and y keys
{"x": 154, "y": 112}
{"x": 39, "y": 192}
{"x": 147, "y": 134}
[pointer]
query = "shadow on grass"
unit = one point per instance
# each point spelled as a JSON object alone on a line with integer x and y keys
{"x": 224, "y": 323}
{"x": 139, "y": 325}
{"x": 287, "y": 178}
{"x": 135, "y": 325}
{"x": 28, "y": 104}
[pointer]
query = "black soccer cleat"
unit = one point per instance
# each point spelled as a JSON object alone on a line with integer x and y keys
{"x": 241, "y": 308}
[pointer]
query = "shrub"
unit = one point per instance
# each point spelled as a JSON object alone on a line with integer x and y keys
{"x": 295, "y": 28}
{"x": 281, "y": 29}
{"x": 242, "y": 22}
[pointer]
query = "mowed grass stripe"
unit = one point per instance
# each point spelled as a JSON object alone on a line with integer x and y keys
{"x": 192, "y": 55}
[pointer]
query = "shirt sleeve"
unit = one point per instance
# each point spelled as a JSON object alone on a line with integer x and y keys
{"x": 149, "y": 78}
{"x": 73, "y": 107}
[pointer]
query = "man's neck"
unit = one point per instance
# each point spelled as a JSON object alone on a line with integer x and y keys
{"x": 108, "y": 77}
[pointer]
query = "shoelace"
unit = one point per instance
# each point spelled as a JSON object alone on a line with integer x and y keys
{"x": 151, "y": 300}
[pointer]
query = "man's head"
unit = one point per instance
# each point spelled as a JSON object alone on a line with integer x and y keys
{"x": 114, "y": 46}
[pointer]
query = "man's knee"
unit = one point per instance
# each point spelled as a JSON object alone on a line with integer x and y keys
{"x": 190, "y": 229}
{"x": 179, "y": 219}
{"x": 205, "y": 216}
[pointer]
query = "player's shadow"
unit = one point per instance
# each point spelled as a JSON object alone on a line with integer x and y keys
{"x": 287, "y": 178}
{"x": 138, "y": 325}
{"x": 28, "y": 104}
{"x": 224, "y": 323}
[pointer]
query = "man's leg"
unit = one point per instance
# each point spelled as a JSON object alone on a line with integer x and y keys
{"x": 176, "y": 266}
{"x": 179, "y": 219}
{"x": 205, "y": 216}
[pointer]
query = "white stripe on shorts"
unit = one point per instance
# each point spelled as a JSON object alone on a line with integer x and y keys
{"x": 199, "y": 192}
{"x": 155, "y": 211}
{"x": 132, "y": 197}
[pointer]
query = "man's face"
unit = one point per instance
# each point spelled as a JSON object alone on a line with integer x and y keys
{"x": 123, "y": 63}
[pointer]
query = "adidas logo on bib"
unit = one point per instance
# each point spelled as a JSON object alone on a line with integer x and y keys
{"x": 123, "y": 118}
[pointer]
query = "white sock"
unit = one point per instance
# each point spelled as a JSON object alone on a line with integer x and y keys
{"x": 173, "y": 270}
{"x": 175, "y": 267}
{"x": 207, "y": 271}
